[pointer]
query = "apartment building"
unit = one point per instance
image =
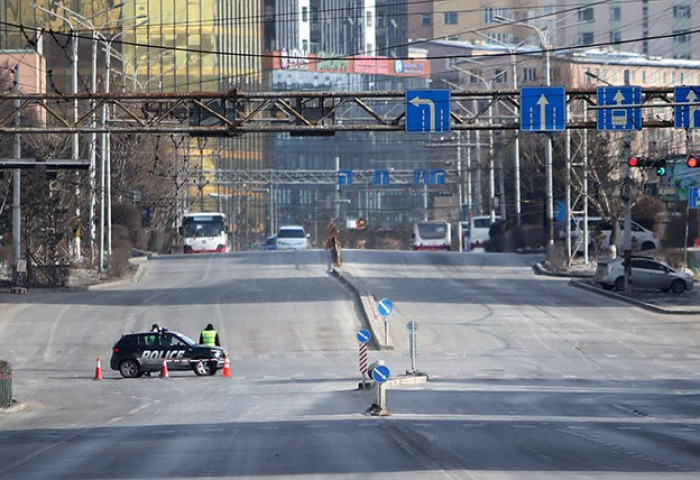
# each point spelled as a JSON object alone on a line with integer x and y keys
{"x": 648, "y": 27}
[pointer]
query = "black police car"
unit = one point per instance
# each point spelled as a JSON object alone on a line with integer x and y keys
{"x": 137, "y": 353}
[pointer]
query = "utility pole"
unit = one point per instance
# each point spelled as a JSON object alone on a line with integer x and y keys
{"x": 16, "y": 179}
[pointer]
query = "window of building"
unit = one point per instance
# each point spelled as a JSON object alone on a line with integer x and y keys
{"x": 615, "y": 36}
{"x": 585, "y": 14}
{"x": 500, "y": 75}
{"x": 615, "y": 14}
{"x": 585, "y": 38}
{"x": 529, "y": 74}
{"x": 450, "y": 18}
{"x": 475, "y": 76}
{"x": 369, "y": 19}
{"x": 426, "y": 20}
{"x": 304, "y": 14}
{"x": 680, "y": 37}
{"x": 494, "y": 15}
{"x": 681, "y": 11}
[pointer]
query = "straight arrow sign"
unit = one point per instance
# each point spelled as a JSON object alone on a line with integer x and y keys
{"x": 543, "y": 109}
{"x": 686, "y": 116}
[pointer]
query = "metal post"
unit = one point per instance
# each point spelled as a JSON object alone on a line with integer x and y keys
{"x": 412, "y": 332}
{"x": 75, "y": 155}
{"x": 548, "y": 149}
{"x": 16, "y": 179}
{"x": 91, "y": 150}
{"x": 477, "y": 161}
{"x": 516, "y": 147}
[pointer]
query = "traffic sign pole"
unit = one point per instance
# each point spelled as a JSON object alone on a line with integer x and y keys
{"x": 412, "y": 327}
{"x": 363, "y": 338}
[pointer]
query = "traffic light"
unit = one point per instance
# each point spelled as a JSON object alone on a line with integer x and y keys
{"x": 660, "y": 166}
{"x": 640, "y": 162}
{"x": 692, "y": 161}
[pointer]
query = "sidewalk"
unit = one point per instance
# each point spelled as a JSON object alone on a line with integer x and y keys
{"x": 581, "y": 276}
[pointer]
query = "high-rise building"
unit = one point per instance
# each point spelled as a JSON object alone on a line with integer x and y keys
{"x": 337, "y": 27}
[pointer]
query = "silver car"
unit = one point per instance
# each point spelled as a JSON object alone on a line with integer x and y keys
{"x": 645, "y": 273}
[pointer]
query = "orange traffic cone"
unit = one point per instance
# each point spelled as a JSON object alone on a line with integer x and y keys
{"x": 164, "y": 370}
{"x": 227, "y": 367}
{"x": 98, "y": 370}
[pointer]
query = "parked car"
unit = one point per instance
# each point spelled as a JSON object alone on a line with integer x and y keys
{"x": 645, "y": 273}
{"x": 271, "y": 242}
{"x": 641, "y": 238}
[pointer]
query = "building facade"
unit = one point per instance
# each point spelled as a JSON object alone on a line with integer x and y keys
{"x": 648, "y": 27}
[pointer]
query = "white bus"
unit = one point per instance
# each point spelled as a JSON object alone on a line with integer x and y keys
{"x": 205, "y": 233}
{"x": 432, "y": 235}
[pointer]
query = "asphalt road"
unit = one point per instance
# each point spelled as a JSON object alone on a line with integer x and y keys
{"x": 530, "y": 378}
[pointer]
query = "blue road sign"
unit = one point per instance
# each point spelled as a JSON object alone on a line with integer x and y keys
{"x": 382, "y": 177}
{"x": 543, "y": 109}
{"x": 438, "y": 176}
{"x": 364, "y": 336}
{"x": 385, "y": 307}
{"x": 686, "y": 116}
{"x": 435, "y": 176}
{"x": 380, "y": 373}
{"x": 427, "y": 111}
{"x": 693, "y": 197}
{"x": 344, "y": 177}
{"x": 619, "y": 117}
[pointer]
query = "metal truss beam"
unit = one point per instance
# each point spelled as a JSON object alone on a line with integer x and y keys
{"x": 235, "y": 112}
{"x": 306, "y": 177}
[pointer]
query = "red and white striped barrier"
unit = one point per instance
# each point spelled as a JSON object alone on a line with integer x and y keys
{"x": 363, "y": 358}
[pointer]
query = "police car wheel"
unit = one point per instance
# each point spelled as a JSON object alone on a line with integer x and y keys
{"x": 202, "y": 368}
{"x": 129, "y": 368}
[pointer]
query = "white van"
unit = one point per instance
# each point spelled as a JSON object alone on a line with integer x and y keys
{"x": 291, "y": 237}
{"x": 641, "y": 238}
{"x": 475, "y": 232}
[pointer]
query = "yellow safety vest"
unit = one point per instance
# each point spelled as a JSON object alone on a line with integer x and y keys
{"x": 209, "y": 337}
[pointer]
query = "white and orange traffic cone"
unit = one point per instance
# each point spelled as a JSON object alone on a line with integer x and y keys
{"x": 227, "y": 367}
{"x": 164, "y": 370}
{"x": 98, "y": 370}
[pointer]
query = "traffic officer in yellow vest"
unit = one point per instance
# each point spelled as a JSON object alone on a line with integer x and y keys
{"x": 209, "y": 336}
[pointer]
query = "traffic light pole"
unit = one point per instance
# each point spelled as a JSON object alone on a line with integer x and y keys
{"x": 626, "y": 199}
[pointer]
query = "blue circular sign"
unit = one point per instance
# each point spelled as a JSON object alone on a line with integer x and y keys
{"x": 385, "y": 307}
{"x": 364, "y": 336}
{"x": 380, "y": 373}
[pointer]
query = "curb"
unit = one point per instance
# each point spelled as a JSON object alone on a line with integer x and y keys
{"x": 580, "y": 281}
{"x": 367, "y": 305}
{"x": 647, "y": 306}
{"x": 128, "y": 281}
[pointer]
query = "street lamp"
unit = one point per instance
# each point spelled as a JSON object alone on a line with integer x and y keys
{"x": 542, "y": 34}
{"x": 492, "y": 180}
{"x": 95, "y": 34}
{"x": 106, "y": 153}
{"x": 512, "y": 50}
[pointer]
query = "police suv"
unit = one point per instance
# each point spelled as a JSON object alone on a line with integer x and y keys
{"x": 137, "y": 353}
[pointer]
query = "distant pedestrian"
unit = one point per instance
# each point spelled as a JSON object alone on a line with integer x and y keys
{"x": 209, "y": 336}
{"x": 333, "y": 243}
{"x": 155, "y": 328}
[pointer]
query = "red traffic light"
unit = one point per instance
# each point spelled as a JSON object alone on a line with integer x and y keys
{"x": 633, "y": 162}
{"x": 692, "y": 162}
